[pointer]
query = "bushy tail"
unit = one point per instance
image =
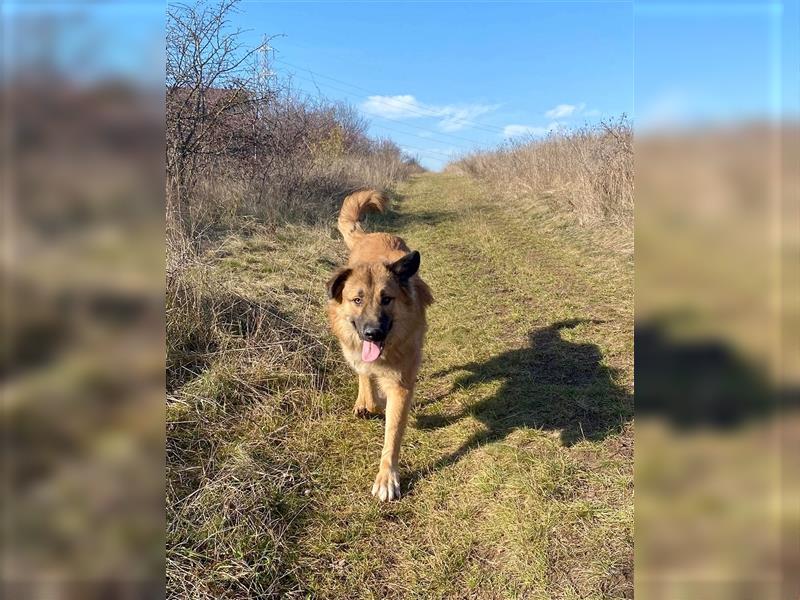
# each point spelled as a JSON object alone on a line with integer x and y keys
{"x": 355, "y": 206}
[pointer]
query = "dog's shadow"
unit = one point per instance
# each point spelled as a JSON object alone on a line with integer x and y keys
{"x": 551, "y": 384}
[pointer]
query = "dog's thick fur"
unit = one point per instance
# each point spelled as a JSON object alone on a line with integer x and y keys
{"x": 379, "y": 294}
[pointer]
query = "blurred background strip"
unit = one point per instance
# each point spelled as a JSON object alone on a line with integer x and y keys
{"x": 82, "y": 281}
{"x": 717, "y": 150}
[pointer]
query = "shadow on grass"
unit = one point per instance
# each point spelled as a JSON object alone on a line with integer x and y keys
{"x": 551, "y": 384}
{"x": 395, "y": 220}
{"x": 702, "y": 383}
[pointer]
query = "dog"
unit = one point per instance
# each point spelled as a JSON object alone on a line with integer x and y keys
{"x": 376, "y": 308}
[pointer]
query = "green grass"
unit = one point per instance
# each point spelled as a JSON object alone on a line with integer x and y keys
{"x": 517, "y": 469}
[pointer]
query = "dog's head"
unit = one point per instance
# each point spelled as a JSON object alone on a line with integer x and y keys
{"x": 374, "y": 297}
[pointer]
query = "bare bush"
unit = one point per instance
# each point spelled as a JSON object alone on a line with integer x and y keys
{"x": 318, "y": 153}
{"x": 239, "y": 144}
{"x": 211, "y": 96}
{"x": 586, "y": 173}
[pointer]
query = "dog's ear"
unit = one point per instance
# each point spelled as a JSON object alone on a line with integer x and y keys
{"x": 404, "y": 268}
{"x": 336, "y": 283}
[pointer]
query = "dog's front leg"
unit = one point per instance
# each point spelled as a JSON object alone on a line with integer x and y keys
{"x": 398, "y": 405}
{"x": 365, "y": 404}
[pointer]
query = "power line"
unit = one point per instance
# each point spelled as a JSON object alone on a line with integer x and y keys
{"x": 404, "y": 146}
{"x": 424, "y": 138}
{"x": 425, "y": 129}
{"x": 421, "y": 137}
{"x": 412, "y": 107}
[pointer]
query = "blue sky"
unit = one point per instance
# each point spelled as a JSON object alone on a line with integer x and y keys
{"x": 711, "y": 62}
{"x": 88, "y": 41}
{"x": 443, "y": 78}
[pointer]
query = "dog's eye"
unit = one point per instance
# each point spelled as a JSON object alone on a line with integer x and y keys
{"x": 357, "y": 301}
{"x": 385, "y": 300}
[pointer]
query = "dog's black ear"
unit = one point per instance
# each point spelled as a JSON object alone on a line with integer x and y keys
{"x": 336, "y": 283}
{"x": 404, "y": 268}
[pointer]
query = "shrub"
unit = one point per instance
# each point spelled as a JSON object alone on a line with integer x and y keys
{"x": 586, "y": 173}
{"x": 241, "y": 144}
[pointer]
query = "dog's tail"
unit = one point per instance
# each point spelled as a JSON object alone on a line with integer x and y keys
{"x": 355, "y": 206}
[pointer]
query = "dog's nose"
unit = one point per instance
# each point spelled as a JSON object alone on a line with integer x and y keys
{"x": 374, "y": 334}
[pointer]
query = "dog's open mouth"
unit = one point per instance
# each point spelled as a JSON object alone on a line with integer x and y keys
{"x": 370, "y": 351}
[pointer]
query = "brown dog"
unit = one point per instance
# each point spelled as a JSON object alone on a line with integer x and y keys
{"x": 376, "y": 308}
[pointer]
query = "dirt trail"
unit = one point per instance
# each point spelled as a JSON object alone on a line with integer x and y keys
{"x": 517, "y": 470}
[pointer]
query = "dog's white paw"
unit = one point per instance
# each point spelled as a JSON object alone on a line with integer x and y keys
{"x": 387, "y": 485}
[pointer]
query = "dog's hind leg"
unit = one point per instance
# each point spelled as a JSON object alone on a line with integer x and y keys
{"x": 370, "y": 400}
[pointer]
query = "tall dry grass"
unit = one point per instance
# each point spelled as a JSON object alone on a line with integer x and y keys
{"x": 247, "y": 162}
{"x": 586, "y": 173}
{"x": 238, "y": 371}
{"x": 300, "y": 175}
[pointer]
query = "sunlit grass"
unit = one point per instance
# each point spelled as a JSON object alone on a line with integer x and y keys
{"x": 517, "y": 467}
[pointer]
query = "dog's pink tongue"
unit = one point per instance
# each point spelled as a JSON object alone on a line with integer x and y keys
{"x": 370, "y": 351}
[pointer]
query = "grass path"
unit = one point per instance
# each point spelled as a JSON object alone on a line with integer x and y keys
{"x": 517, "y": 469}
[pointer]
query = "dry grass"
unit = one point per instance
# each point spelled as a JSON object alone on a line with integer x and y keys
{"x": 244, "y": 365}
{"x": 251, "y": 173}
{"x": 297, "y": 188}
{"x": 314, "y": 194}
{"x": 517, "y": 469}
{"x": 586, "y": 173}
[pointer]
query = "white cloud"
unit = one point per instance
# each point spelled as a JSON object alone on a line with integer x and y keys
{"x": 510, "y": 131}
{"x": 404, "y": 106}
{"x": 452, "y": 117}
{"x": 564, "y": 110}
{"x": 458, "y": 117}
